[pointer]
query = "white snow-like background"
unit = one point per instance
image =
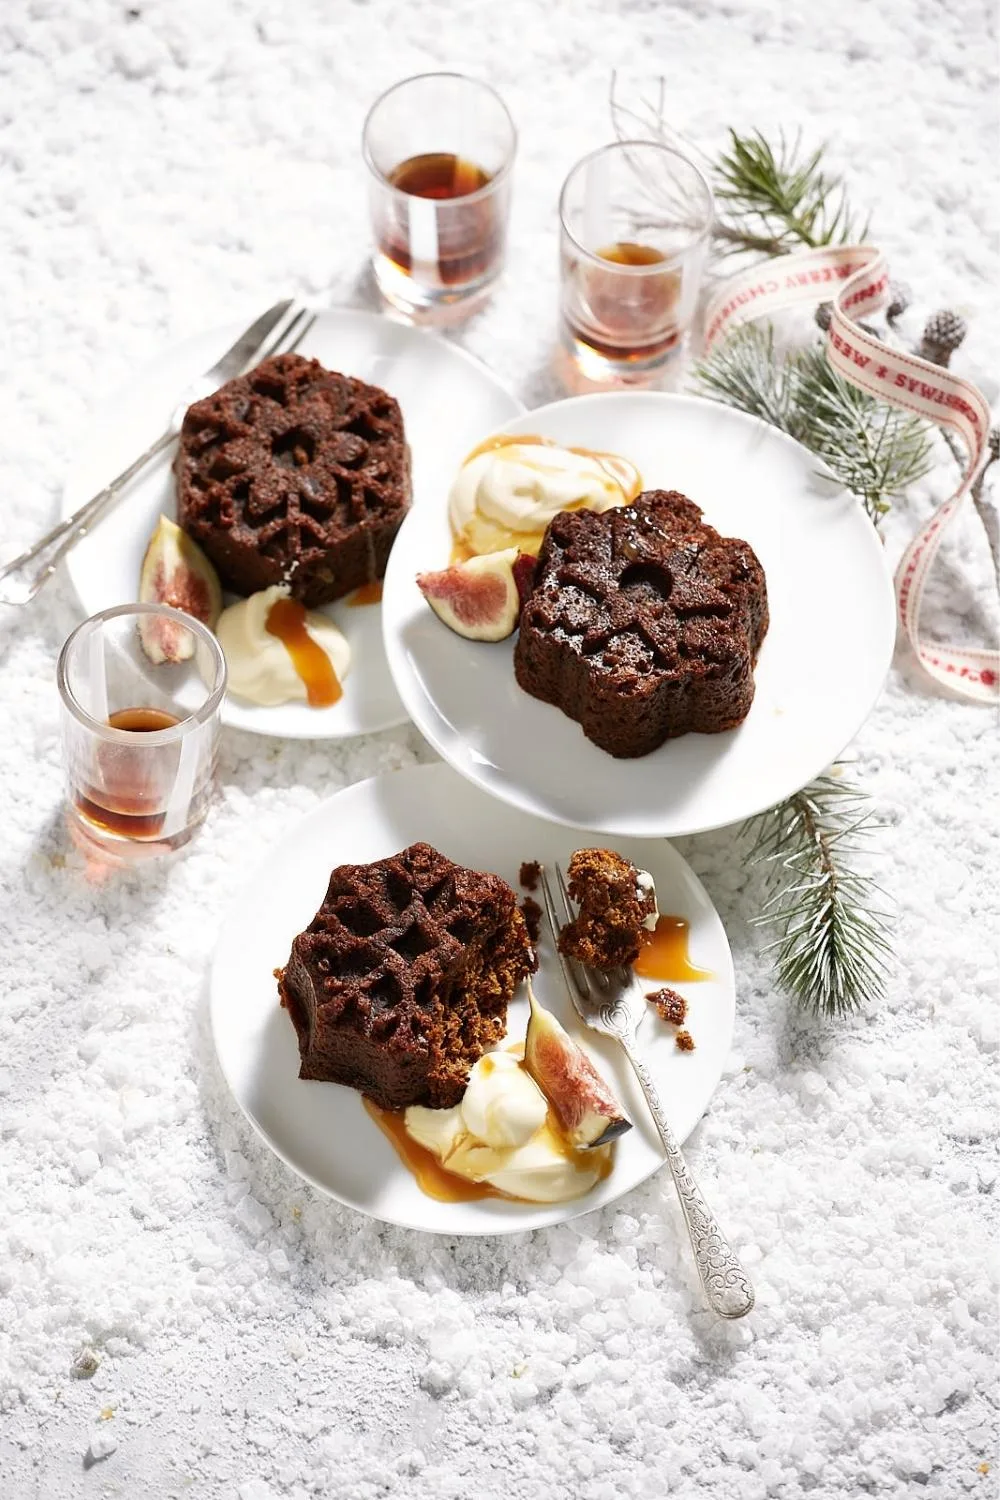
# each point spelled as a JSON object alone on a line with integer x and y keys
{"x": 174, "y": 165}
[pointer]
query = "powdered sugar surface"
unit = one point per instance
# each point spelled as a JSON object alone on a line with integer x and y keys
{"x": 178, "y": 165}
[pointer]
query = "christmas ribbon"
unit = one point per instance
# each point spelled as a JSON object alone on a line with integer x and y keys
{"x": 856, "y": 280}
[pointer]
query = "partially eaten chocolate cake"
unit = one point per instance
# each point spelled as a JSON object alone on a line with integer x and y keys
{"x": 294, "y": 474}
{"x": 402, "y": 979}
{"x": 643, "y": 623}
{"x": 615, "y": 909}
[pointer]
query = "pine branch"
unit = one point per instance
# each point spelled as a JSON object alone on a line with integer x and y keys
{"x": 745, "y": 372}
{"x": 831, "y": 947}
{"x": 773, "y": 200}
{"x": 874, "y": 450}
{"x": 779, "y": 199}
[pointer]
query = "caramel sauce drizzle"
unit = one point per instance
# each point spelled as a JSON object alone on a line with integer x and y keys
{"x": 530, "y": 541}
{"x": 529, "y": 439}
{"x": 368, "y": 593}
{"x": 666, "y": 956}
{"x": 286, "y": 619}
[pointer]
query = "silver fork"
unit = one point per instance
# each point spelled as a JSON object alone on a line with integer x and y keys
{"x": 614, "y": 1004}
{"x": 278, "y": 331}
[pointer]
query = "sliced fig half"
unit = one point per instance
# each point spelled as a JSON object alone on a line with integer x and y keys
{"x": 588, "y": 1110}
{"x": 175, "y": 571}
{"x": 480, "y": 599}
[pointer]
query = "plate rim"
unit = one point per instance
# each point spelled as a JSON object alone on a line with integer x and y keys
{"x": 404, "y": 681}
{"x": 360, "y": 315}
{"x": 549, "y": 1215}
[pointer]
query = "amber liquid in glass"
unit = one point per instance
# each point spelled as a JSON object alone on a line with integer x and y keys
{"x": 121, "y": 804}
{"x": 621, "y": 317}
{"x": 465, "y": 238}
{"x": 438, "y": 174}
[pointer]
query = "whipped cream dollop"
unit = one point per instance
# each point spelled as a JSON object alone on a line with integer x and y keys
{"x": 501, "y": 1133}
{"x": 645, "y": 887}
{"x": 260, "y": 666}
{"x": 506, "y": 496}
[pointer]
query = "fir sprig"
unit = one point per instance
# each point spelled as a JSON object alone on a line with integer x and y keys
{"x": 780, "y": 199}
{"x": 747, "y": 372}
{"x": 773, "y": 199}
{"x": 874, "y": 450}
{"x": 831, "y": 948}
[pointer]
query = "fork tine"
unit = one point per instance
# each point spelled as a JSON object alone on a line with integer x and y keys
{"x": 595, "y": 979}
{"x": 550, "y": 907}
{"x": 309, "y": 320}
{"x": 287, "y": 337}
{"x": 575, "y": 984}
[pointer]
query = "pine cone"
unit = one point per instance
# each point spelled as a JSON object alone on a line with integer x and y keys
{"x": 899, "y": 300}
{"x": 943, "y": 333}
{"x": 823, "y": 315}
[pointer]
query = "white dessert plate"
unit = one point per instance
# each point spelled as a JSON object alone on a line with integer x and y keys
{"x": 449, "y": 401}
{"x": 321, "y": 1130}
{"x": 820, "y": 670}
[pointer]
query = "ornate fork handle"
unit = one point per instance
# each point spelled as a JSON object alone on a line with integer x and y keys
{"x": 49, "y": 551}
{"x": 727, "y": 1286}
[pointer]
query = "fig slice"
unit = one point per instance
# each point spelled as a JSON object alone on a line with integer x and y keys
{"x": 479, "y": 599}
{"x": 175, "y": 571}
{"x": 588, "y": 1110}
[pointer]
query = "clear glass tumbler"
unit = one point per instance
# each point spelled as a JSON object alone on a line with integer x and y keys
{"x": 635, "y": 220}
{"x": 439, "y": 148}
{"x": 139, "y": 734}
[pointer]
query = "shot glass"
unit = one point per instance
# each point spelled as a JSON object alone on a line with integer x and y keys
{"x": 139, "y": 736}
{"x": 439, "y": 148}
{"x": 635, "y": 220}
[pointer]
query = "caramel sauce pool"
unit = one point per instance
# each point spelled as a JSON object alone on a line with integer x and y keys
{"x": 666, "y": 956}
{"x": 431, "y": 1176}
{"x": 368, "y": 593}
{"x": 447, "y": 1187}
{"x": 286, "y": 619}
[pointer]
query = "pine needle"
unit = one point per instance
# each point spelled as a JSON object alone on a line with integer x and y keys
{"x": 874, "y": 450}
{"x": 831, "y": 946}
{"x": 772, "y": 199}
{"x": 779, "y": 199}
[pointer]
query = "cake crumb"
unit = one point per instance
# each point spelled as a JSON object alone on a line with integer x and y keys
{"x": 671, "y": 1006}
{"x": 532, "y": 913}
{"x": 530, "y": 874}
{"x": 685, "y": 1041}
{"x": 609, "y": 928}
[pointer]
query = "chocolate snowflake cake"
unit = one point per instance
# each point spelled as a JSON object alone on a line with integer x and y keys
{"x": 294, "y": 474}
{"x": 401, "y": 981}
{"x": 644, "y": 623}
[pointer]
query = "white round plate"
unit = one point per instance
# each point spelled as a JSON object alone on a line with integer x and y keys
{"x": 449, "y": 401}
{"x": 820, "y": 670}
{"x": 322, "y": 1130}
